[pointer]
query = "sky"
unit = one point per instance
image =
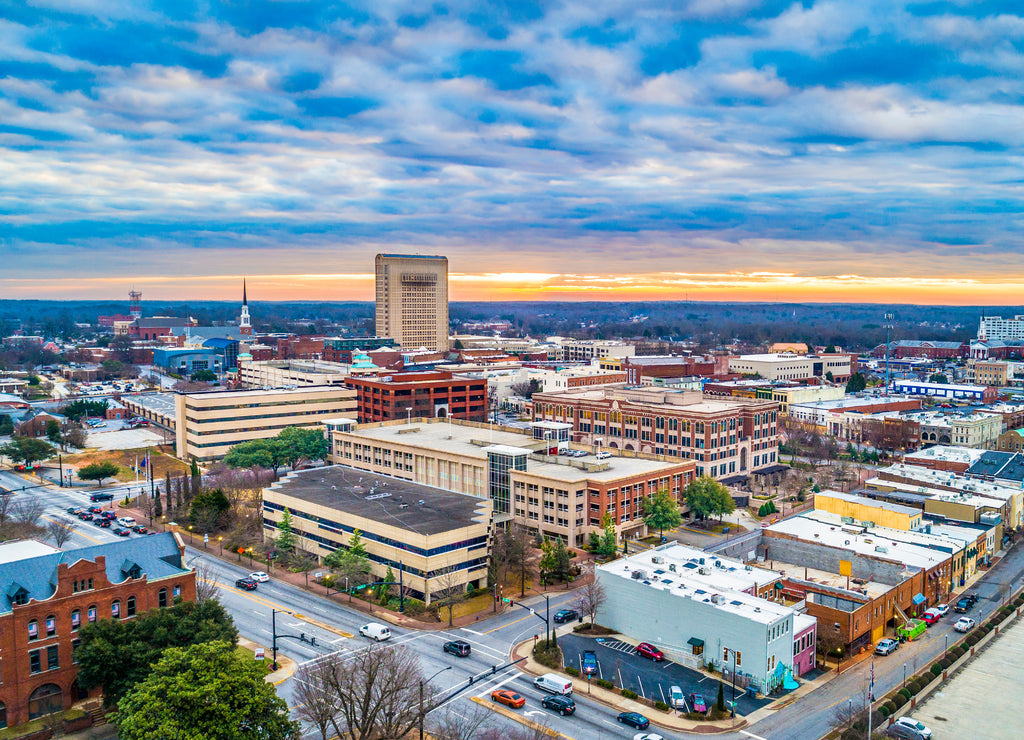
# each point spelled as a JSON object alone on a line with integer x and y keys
{"x": 838, "y": 150}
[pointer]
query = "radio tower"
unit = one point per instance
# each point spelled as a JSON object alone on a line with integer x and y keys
{"x": 135, "y": 303}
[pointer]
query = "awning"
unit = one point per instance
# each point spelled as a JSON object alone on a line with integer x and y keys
{"x": 919, "y": 599}
{"x": 696, "y": 642}
{"x": 772, "y": 469}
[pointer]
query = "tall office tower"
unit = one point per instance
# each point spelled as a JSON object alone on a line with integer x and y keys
{"x": 412, "y": 300}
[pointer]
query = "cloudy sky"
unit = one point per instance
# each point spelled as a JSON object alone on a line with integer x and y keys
{"x": 593, "y": 149}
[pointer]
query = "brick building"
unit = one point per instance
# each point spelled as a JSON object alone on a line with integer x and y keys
{"x": 435, "y": 393}
{"x": 638, "y": 369}
{"x": 49, "y": 594}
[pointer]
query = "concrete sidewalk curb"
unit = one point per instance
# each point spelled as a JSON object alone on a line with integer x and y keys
{"x": 506, "y": 712}
{"x": 617, "y": 702}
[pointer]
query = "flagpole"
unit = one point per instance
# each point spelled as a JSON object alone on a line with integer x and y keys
{"x": 871, "y": 694}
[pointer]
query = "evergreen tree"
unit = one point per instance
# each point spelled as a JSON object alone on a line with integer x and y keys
{"x": 607, "y": 548}
{"x": 383, "y": 590}
{"x": 355, "y": 544}
{"x": 197, "y": 482}
{"x": 285, "y": 536}
{"x": 720, "y": 703}
{"x": 167, "y": 490}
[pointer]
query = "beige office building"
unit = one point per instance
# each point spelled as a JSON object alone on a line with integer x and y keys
{"x": 211, "y": 423}
{"x": 283, "y": 373}
{"x": 432, "y": 540}
{"x": 412, "y": 300}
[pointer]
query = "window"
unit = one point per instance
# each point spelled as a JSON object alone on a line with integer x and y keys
{"x": 76, "y": 619}
{"x": 115, "y": 609}
{"x": 74, "y": 650}
{"x": 51, "y": 626}
{"x": 33, "y": 630}
{"x": 34, "y": 663}
{"x": 162, "y": 598}
{"x": 92, "y": 614}
{"x": 177, "y": 590}
{"x": 131, "y": 606}
{"x": 52, "y": 658}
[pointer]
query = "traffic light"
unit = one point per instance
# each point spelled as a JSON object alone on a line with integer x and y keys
{"x": 302, "y": 636}
{"x": 312, "y": 640}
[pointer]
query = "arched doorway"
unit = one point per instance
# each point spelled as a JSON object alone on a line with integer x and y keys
{"x": 46, "y": 699}
{"x": 614, "y": 445}
{"x": 629, "y": 447}
{"x": 77, "y": 694}
{"x": 441, "y": 411}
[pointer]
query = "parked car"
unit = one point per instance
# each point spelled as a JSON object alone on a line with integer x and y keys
{"x": 965, "y": 603}
{"x": 101, "y": 497}
{"x": 588, "y": 666}
{"x": 931, "y": 616}
{"x": 95, "y": 509}
{"x": 647, "y": 736}
{"x": 565, "y": 615}
{"x": 246, "y": 583}
{"x": 942, "y": 609}
{"x": 459, "y": 648}
{"x": 697, "y": 704}
{"x": 141, "y": 529}
{"x": 85, "y": 516}
{"x": 886, "y": 646}
{"x": 101, "y": 522}
{"x": 917, "y": 730}
{"x": 109, "y": 515}
{"x": 74, "y": 511}
{"x": 121, "y": 531}
{"x": 634, "y": 719}
{"x": 259, "y": 576}
{"x": 675, "y": 698}
{"x": 508, "y": 698}
{"x": 647, "y": 650}
{"x": 562, "y": 704}
{"x": 126, "y": 521}
{"x": 964, "y": 624}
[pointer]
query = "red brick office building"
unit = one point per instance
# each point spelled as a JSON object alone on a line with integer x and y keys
{"x": 48, "y": 594}
{"x": 427, "y": 394}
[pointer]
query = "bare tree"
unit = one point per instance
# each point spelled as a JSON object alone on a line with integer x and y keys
{"x": 206, "y": 583}
{"x": 28, "y": 511}
{"x": 6, "y": 507}
{"x": 459, "y": 725}
{"x": 59, "y": 531}
{"x": 318, "y": 703}
{"x": 54, "y": 722}
{"x": 449, "y": 590}
{"x": 305, "y": 562}
{"x": 533, "y": 731}
{"x": 379, "y": 693}
{"x": 591, "y": 598}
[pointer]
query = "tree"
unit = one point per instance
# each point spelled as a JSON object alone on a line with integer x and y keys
{"x": 53, "y": 431}
{"x": 206, "y": 582}
{"x": 856, "y": 383}
{"x": 205, "y": 691}
{"x": 196, "y": 481}
{"x": 720, "y": 702}
{"x": 526, "y": 389}
{"x": 285, "y": 536}
{"x": 661, "y": 511}
{"x": 6, "y": 425}
{"x": 158, "y": 507}
{"x": 382, "y": 591}
{"x": 27, "y": 450}
{"x": 379, "y": 692}
{"x": 76, "y": 410}
{"x": 203, "y": 376}
{"x": 303, "y": 562}
{"x": 608, "y": 542}
{"x": 722, "y": 502}
{"x": 258, "y": 453}
{"x": 60, "y": 531}
{"x": 448, "y": 590}
{"x": 317, "y": 703}
{"x": 351, "y": 568}
{"x": 706, "y": 496}
{"x": 938, "y": 378}
{"x": 296, "y": 444}
{"x": 590, "y": 599}
{"x": 98, "y": 471}
{"x": 208, "y": 510}
{"x": 456, "y": 725}
{"x": 115, "y": 655}
{"x": 555, "y": 561}
{"x": 355, "y": 544}
{"x": 75, "y": 437}
{"x": 27, "y": 512}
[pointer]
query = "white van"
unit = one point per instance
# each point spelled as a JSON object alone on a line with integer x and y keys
{"x": 553, "y": 684}
{"x": 378, "y": 632}
{"x": 126, "y": 521}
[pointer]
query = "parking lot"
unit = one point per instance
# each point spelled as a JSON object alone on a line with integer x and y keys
{"x": 618, "y": 662}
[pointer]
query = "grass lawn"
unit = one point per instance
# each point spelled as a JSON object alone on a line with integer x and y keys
{"x": 247, "y": 654}
{"x": 162, "y": 463}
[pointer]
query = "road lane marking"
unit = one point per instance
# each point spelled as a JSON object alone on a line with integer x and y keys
{"x": 278, "y": 607}
{"x": 751, "y": 735}
{"x": 516, "y": 717}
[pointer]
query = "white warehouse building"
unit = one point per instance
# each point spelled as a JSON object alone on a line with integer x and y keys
{"x": 701, "y": 611}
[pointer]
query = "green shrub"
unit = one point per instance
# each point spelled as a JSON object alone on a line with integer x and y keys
{"x": 414, "y": 607}
{"x": 905, "y": 693}
{"x": 604, "y": 683}
{"x": 889, "y": 708}
{"x": 884, "y": 710}
{"x": 946, "y": 662}
{"x": 936, "y": 669}
{"x": 661, "y": 706}
{"x": 572, "y": 671}
{"x": 627, "y": 694}
{"x": 548, "y": 654}
{"x": 898, "y": 700}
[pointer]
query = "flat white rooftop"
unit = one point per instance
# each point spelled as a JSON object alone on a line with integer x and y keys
{"x": 927, "y": 476}
{"x": 913, "y": 536}
{"x": 719, "y": 572}
{"x": 946, "y": 453}
{"x": 12, "y": 552}
{"x": 873, "y": 589}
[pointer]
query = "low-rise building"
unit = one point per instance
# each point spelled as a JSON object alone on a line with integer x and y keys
{"x": 962, "y": 429}
{"x": 945, "y": 457}
{"x": 795, "y": 367}
{"x": 433, "y": 540}
{"x": 425, "y": 394}
{"x": 861, "y": 509}
{"x": 699, "y": 610}
{"x": 210, "y": 423}
{"x": 285, "y": 373}
{"x": 49, "y": 594}
{"x": 946, "y": 391}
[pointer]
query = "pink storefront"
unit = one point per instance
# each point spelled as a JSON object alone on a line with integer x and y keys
{"x": 805, "y": 632}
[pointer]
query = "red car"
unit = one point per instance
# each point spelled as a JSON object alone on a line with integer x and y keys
{"x": 931, "y": 616}
{"x": 647, "y": 650}
{"x": 508, "y": 698}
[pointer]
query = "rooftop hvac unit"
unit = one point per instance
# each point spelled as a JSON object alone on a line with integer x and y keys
{"x": 879, "y": 548}
{"x": 702, "y": 571}
{"x": 748, "y": 567}
{"x": 672, "y": 567}
{"x": 657, "y": 559}
{"x": 638, "y": 575}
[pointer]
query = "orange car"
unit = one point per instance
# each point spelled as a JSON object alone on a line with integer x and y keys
{"x": 508, "y": 698}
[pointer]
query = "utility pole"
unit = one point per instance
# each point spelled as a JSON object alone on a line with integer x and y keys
{"x": 871, "y": 695}
{"x": 888, "y": 327}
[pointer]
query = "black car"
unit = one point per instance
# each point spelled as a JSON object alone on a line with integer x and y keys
{"x": 74, "y": 510}
{"x": 635, "y": 719}
{"x": 565, "y": 615}
{"x": 141, "y": 529}
{"x": 85, "y": 516}
{"x": 965, "y": 603}
{"x": 561, "y": 704}
{"x": 460, "y": 648}
{"x": 101, "y": 497}
{"x": 588, "y": 665}
{"x": 102, "y": 523}
{"x": 121, "y": 532}
{"x": 246, "y": 583}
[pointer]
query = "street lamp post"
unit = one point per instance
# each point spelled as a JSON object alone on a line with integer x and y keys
{"x": 904, "y": 675}
{"x": 220, "y": 543}
{"x": 733, "y": 684}
{"x": 547, "y": 617}
{"x": 423, "y": 714}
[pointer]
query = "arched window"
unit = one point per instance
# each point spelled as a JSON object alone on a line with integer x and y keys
{"x": 131, "y": 606}
{"x": 33, "y": 630}
{"x": 76, "y": 619}
{"x": 51, "y": 625}
{"x": 46, "y": 699}
{"x": 92, "y": 613}
{"x": 115, "y": 609}
{"x": 162, "y": 598}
